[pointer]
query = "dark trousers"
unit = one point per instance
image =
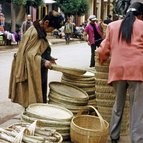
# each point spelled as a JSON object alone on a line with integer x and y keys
{"x": 92, "y": 61}
{"x": 67, "y": 37}
{"x": 44, "y": 73}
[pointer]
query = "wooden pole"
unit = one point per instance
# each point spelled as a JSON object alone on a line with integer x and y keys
{"x": 102, "y": 9}
{"x": 108, "y": 7}
{"x": 94, "y": 7}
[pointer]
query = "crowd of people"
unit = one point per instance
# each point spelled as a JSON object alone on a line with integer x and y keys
{"x": 13, "y": 37}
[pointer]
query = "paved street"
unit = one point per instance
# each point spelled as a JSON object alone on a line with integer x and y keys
{"x": 73, "y": 55}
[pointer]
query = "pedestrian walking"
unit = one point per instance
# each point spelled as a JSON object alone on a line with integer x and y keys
{"x": 93, "y": 36}
{"x": 28, "y": 80}
{"x": 68, "y": 30}
{"x": 124, "y": 45}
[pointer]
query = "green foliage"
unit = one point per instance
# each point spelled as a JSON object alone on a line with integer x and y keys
{"x": 73, "y": 7}
{"x": 19, "y": 2}
{"x": 25, "y": 2}
{"x": 83, "y": 8}
{"x": 34, "y": 3}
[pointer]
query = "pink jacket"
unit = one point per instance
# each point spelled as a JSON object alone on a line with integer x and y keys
{"x": 126, "y": 59}
{"x": 89, "y": 30}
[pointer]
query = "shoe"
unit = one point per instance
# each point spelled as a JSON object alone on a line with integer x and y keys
{"x": 114, "y": 141}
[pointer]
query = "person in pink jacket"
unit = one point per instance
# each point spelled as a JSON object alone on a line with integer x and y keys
{"x": 93, "y": 36}
{"x": 124, "y": 45}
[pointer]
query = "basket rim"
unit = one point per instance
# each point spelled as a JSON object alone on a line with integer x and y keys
{"x": 34, "y": 113}
{"x": 25, "y": 116}
{"x": 69, "y": 70}
{"x": 52, "y": 83}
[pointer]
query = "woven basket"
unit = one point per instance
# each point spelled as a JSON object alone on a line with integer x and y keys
{"x": 62, "y": 127}
{"x": 108, "y": 103}
{"x": 69, "y": 90}
{"x": 78, "y": 80}
{"x": 101, "y": 75}
{"x": 104, "y": 89}
{"x": 68, "y": 70}
{"x": 43, "y": 130}
{"x": 92, "y": 96}
{"x": 89, "y": 89}
{"x": 49, "y": 112}
{"x": 107, "y": 96}
{"x": 43, "y": 122}
{"x": 101, "y": 81}
{"x": 89, "y": 128}
{"x": 105, "y": 103}
{"x": 66, "y": 100}
{"x": 80, "y": 84}
{"x": 108, "y": 110}
{"x": 93, "y": 103}
{"x": 92, "y": 70}
{"x": 100, "y": 68}
{"x": 84, "y": 77}
{"x": 68, "y": 106}
{"x": 73, "y": 110}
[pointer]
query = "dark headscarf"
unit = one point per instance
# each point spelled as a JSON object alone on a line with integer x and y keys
{"x": 55, "y": 19}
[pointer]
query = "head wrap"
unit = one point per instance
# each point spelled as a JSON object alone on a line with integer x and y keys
{"x": 55, "y": 19}
{"x": 136, "y": 7}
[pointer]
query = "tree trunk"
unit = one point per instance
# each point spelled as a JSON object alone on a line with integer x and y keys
{"x": 21, "y": 14}
{"x": 13, "y": 20}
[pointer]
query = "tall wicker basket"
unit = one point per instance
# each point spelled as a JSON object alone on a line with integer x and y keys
{"x": 89, "y": 128}
{"x": 105, "y": 96}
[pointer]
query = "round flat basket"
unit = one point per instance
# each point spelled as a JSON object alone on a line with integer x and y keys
{"x": 68, "y": 106}
{"x": 85, "y": 76}
{"x": 80, "y": 85}
{"x": 69, "y": 90}
{"x": 76, "y": 80}
{"x": 49, "y": 111}
{"x": 68, "y": 70}
{"x": 44, "y": 122}
{"x": 92, "y": 70}
{"x": 66, "y": 100}
{"x": 89, "y": 128}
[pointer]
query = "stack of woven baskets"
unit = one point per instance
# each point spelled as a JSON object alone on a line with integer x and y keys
{"x": 52, "y": 116}
{"x": 68, "y": 96}
{"x": 85, "y": 82}
{"x": 29, "y": 133}
{"x": 105, "y": 97}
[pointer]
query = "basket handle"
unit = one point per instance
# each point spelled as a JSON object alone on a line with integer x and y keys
{"x": 97, "y": 113}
